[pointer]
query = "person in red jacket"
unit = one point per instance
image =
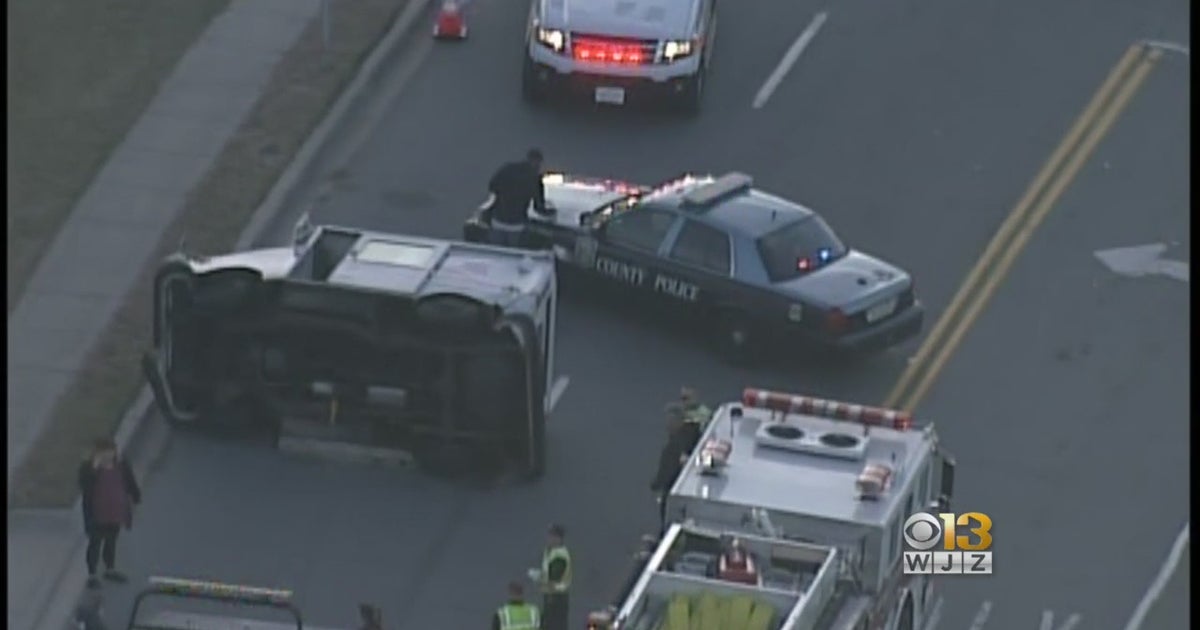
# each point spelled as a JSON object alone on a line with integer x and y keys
{"x": 109, "y": 492}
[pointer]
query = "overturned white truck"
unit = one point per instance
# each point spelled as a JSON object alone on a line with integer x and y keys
{"x": 438, "y": 350}
{"x": 812, "y": 495}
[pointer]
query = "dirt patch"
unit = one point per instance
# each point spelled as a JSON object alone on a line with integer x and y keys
{"x": 79, "y": 76}
{"x": 301, "y": 90}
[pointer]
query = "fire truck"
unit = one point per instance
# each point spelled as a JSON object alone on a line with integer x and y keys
{"x": 789, "y": 516}
{"x": 365, "y": 344}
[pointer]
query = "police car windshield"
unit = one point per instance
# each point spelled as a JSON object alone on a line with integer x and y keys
{"x": 799, "y": 248}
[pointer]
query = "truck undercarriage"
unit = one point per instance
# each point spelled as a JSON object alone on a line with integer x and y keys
{"x": 441, "y": 379}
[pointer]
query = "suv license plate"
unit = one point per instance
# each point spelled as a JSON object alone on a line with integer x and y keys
{"x": 880, "y": 311}
{"x": 610, "y": 95}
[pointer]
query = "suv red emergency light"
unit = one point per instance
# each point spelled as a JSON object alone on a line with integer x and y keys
{"x": 605, "y": 51}
{"x": 790, "y": 403}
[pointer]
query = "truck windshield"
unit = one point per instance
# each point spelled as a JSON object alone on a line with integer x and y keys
{"x": 799, "y": 248}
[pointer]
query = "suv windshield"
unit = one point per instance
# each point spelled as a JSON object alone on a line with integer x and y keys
{"x": 799, "y": 248}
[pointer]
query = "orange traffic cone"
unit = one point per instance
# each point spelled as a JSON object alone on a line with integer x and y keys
{"x": 451, "y": 23}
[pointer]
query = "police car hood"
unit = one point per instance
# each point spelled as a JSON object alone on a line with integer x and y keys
{"x": 851, "y": 283}
{"x": 573, "y": 197}
{"x": 640, "y": 19}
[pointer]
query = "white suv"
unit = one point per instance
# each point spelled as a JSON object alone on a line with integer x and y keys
{"x": 613, "y": 49}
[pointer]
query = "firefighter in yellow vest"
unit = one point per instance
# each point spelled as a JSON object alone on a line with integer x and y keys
{"x": 516, "y": 613}
{"x": 696, "y": 412}
{"x": 555, "y": 578}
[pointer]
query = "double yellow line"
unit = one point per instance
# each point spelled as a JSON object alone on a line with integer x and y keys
{"x": 1062, "y": 167}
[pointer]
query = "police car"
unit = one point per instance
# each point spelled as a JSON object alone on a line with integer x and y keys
{"x": 761, "y": 268}
{"x": 610, "y": 49}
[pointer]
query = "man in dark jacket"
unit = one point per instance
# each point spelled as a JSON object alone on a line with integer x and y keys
{"x": 514, "y": 186}
{"x": 109, "y": 493}
{"x": 681, "y": 441}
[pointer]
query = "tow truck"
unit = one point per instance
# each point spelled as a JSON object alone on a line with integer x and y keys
{"x": 813, "y": 495}
{"x": 194, "y": 591}
{"x": 363, "y": 344}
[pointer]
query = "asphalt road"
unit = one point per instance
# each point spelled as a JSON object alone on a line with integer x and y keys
{"x": 914, "y": 127}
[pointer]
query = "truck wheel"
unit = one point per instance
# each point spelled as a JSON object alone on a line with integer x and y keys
{"x": 734, "y": 338}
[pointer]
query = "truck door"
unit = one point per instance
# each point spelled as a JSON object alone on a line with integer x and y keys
{"x": 628, "y": 248}
{"x": 171, "y": 361}
{"x": 196, "y": 347}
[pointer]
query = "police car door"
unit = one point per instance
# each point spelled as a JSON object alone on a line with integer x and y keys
{"x": 627, "y": 248}
{"x": 697, "y": 268}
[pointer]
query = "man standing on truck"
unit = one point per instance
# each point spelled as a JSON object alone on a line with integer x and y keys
{"x": 682, "y": 437}
{"x": 516, "y": 613}
{"x": 514, "y": 187}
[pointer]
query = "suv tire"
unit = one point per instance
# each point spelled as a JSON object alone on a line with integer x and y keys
{"x": 533, "y": 92}
{"x": 690, "y": 100}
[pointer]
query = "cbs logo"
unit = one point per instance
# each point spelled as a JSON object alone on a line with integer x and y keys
{"x": 923, "y": 531}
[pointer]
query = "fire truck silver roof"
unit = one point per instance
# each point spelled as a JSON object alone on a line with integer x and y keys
{"x": 792, "y": 456}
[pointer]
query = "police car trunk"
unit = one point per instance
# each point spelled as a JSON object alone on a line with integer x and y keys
{"x": 363, "y": 344}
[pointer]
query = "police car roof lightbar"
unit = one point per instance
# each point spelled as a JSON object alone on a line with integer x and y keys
{"x": 723, "y": 186}
{"x": 791, "y": 403}
{"x": 220, "y": 591}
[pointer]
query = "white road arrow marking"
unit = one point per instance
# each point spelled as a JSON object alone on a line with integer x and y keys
{"x": 1143, "y": 260}
{"x": 1048, "y": 621}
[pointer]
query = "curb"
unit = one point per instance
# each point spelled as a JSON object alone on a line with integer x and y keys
{"x": 56, "y": 613}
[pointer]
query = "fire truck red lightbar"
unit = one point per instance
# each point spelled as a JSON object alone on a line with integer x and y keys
{"x": 791, "y": 403}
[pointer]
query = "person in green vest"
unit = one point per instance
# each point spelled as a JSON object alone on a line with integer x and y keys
{"x": 695, "y": 411}
{"x": 516, "y": 613}
{"x": 556, "y": 580}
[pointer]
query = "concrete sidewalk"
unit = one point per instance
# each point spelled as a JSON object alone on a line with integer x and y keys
{"x": 108, "y": 239}
{"x": 118, "y": 222}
